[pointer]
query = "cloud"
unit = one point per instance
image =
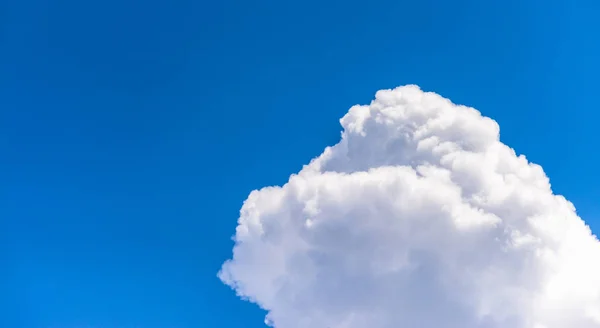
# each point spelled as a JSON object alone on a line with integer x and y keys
{"x": 419, "y": 217}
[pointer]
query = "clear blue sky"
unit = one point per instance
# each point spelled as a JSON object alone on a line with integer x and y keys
{"x": 131, "y": 131}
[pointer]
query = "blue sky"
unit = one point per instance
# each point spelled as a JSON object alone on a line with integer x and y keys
{"x": 131, "y": 131}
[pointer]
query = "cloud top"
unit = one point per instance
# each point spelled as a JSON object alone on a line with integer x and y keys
{"x": 419, "y": 217}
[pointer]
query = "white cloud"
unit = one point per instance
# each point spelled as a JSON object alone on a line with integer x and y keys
{"x": 420, "y": 218}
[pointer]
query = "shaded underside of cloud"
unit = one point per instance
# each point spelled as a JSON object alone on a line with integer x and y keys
{"x": 419, "y": 217}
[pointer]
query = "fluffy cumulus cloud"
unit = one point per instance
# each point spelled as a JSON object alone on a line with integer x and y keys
{"x": 420, "y": 218}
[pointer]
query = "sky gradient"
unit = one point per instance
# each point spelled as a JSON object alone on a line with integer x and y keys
{"x": 132, "y": 131}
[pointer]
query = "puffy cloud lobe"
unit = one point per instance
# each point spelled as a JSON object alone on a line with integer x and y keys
{"x": 418, "y": 217}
